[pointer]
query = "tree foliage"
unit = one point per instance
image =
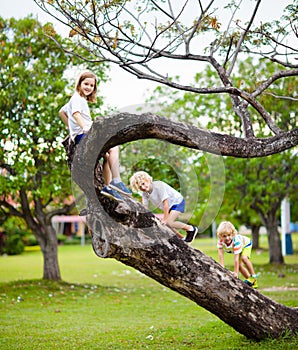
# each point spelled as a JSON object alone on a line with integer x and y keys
{"x": 35, "y": 182}
{"x": 31, "y": 90}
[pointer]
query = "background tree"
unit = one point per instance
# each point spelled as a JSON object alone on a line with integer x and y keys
{"x": 147, "y": 38}
{"x": 34, "y": 181}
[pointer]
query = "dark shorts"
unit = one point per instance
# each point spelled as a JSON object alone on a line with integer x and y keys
{"x": 179, "y": 207}
{"x": 78, "y": 138}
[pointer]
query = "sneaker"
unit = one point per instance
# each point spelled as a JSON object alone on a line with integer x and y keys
{"x": 109, "y": 192}
{"x": 120, "y": 187}
{"x": 248, "y": 282}
{"x": 83, "y": 212}
{"x": 190, "y": 236}
{"x": 255, "y": 284}
{"x": 253, "y": 281}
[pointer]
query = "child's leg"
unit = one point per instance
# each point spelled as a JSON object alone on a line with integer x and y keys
{"x": 115, "y": 182}
{"x": 107, "y": 175}
{"x": 173, "y": 224}
{"x": 113, "y": 161}
{"x": 171, "y": 221}
{"x": 177, "y": 233}
{"x": 250, "y": 278}
{"x": 243, "y": 271}
{"x": 248, "y": 264}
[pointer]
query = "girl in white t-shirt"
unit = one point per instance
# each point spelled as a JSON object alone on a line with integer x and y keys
{"x": 76, "y": 116}
{"x": 165, "y": 198}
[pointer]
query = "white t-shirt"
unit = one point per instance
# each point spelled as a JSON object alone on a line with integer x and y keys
{"x": 160, "y": 192}
{"x": 77, "y": 103}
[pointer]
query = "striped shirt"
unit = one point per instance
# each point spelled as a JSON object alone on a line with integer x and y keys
{"x": 238, "y": 243}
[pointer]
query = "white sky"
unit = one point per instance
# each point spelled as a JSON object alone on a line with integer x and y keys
{"x": 124, "y": 90}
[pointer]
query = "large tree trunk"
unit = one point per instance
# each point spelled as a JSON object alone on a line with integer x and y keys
{"x": 162, "y": 256}
{"x": 271, "y": 224}
{"x": 47, "y": 239}
{"x": 127, "y": 232}
{"x": 45, "y": 234}
{"x": 255, "y": 232}
{"x": 49, "y": 247}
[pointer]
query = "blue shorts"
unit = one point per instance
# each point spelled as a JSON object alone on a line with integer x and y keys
{"x": 78, "y": 138}
{"x": 179, "y": 207}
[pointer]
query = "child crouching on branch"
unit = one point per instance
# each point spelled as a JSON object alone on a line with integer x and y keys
{"x": 165, "y": 198}
{"x": 230, "y": 241}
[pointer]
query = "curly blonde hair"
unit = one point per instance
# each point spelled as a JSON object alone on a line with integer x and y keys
{"x": 137, "y": 178}
{"x": 226, "y": 227}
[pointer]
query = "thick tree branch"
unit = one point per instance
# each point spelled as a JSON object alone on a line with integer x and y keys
{"x": 127, "y": 127}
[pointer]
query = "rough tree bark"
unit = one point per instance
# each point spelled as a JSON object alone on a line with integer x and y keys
{"x": 132, "y": 235}
{"x": 49, "y": 246}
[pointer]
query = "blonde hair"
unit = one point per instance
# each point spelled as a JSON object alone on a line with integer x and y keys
{"x": 83, "y": 76}
{"x": 137, "y": 178}
{"x": 226, "y": 227}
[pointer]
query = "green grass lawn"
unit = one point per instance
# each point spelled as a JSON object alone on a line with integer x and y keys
{"x": 103, "y": 304}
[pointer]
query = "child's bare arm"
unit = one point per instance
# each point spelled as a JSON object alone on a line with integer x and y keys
{"x": 236, "y": 265}
{"x": 78, "y": 118}
{"x": 165, "y": 210}
{"x": 221, "y": 256}
{"x": 63, "y": 117}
